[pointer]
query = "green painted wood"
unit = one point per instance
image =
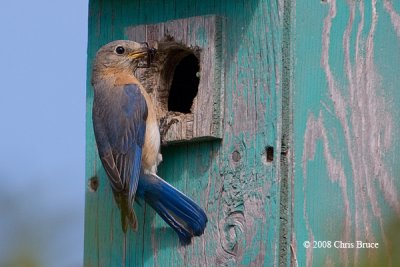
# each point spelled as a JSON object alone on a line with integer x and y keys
{"x": 346, "y": 131}
{"x": 232, "y": 178}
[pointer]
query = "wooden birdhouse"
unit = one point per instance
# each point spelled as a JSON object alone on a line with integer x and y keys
{"x": 280, "y": 118}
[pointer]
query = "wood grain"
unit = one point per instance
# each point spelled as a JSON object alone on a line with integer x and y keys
{"x": 346, "y": 131}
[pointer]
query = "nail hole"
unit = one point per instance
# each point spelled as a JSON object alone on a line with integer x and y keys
{"x": 269, "y": 150}
{"x": 236, "y": 156}
{"x": 93, "y": 184}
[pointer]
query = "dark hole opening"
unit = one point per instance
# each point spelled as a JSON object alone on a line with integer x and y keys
{"x": 184, "y": 85}
{"x": 270, "y": 153}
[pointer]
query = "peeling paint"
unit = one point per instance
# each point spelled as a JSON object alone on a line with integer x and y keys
{"x": 315, "y": 130}
{"x": 394, "y": 17}
{"x": 367, "y": 128}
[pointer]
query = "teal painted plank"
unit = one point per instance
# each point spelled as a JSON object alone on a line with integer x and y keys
{"x": 231, "y": 178}
{"x": 346, "y": 130}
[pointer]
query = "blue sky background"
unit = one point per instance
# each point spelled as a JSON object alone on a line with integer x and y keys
{"x": 42, "y": 131}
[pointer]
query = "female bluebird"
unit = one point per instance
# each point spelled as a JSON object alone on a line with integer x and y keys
{"x": 128, "y": 141}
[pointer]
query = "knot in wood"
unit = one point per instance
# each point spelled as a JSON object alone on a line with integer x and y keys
{"x": 93, "y": 184}
{"x": 236, "y": 156}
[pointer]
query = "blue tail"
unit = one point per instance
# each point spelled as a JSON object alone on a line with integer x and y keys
{"x": 176, "y": 209}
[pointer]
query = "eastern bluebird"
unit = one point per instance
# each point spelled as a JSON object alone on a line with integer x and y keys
{"x": 128, "y": 141}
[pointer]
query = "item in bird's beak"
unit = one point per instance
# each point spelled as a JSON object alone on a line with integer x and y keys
{"x": 147, "y": 60}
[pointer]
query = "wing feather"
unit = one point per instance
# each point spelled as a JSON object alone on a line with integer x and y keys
{"x": 119, "y": 120}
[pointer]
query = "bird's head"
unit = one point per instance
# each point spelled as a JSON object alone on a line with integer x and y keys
{"x": 121, "y": 55}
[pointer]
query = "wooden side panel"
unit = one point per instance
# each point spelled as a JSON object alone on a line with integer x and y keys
{"x": 346, "y": 131}
{"x": 233, "y": 179}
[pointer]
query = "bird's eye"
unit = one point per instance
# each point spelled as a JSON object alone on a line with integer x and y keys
{"x": 120, "y": 50}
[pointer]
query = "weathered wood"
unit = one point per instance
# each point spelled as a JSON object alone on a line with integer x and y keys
{"x": 313, "y": 81}
{"x": 232, "y": 178}
{"x": 174, "y": 40}
{"x": 339, "y": 60}
{"x": 347, "y": 131}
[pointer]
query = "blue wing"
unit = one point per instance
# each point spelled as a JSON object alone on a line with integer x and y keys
{"x": 119, "y": 120}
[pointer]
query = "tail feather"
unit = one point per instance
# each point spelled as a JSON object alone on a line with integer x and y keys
{"x": 128, "y": 216}
{"x": 176, "y": 209}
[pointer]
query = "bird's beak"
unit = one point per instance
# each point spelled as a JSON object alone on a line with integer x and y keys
{"x": 138, "y": 53}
